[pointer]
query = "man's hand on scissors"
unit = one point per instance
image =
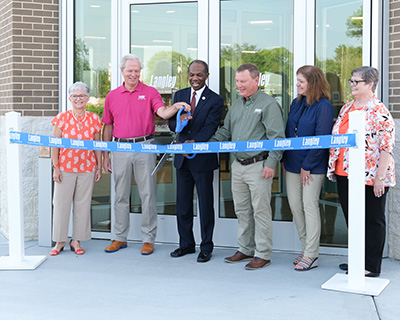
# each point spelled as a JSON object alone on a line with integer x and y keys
{"x": 188, "y": 141}
{"x": 179, "y": 105}
{"x": 185, "y": 116}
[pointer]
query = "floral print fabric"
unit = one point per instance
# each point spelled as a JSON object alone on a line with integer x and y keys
{"x": 74, "y": 160}
{"x": 379, "y": 136}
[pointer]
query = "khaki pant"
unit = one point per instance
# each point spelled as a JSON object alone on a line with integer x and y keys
{"x": 252, "y": 200}
{"x": 74, "y": 188}
{"x": 304, "y": 204}
{"x": 125, "y": 167}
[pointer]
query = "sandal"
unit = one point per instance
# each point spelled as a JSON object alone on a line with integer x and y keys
{"x": 297, "y": 260}
{"x": 306, "y": 263}
{"x": 56, "y": 252}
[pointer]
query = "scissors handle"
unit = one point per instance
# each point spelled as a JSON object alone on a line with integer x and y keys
{"x": 180, "y": 125}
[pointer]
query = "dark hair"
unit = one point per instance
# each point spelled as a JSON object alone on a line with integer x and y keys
{"x": 253, "y": 70}
{"x": 317, "y": 87}
{"x": 369, "y": 74}
{"x": 202, "y": 62}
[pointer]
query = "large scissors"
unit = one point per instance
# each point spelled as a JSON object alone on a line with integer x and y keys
{"x": 178, "y": 129}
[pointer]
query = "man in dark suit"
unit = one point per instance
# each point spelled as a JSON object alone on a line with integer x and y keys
{"x": 203, "y": 123}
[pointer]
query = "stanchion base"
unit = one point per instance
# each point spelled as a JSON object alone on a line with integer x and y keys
{"x": 27, "y": 263}
{"x": 339, "y": 282}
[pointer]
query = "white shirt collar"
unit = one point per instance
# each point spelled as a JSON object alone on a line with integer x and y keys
{"x": 198, "y": 93}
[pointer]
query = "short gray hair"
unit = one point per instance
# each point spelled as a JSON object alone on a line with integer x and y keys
{"x": 127, "y": 57}
{"x": 369, "y": 74}
{"x": 79, "y": 86}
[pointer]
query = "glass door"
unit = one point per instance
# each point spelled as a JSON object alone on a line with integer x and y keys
{"x": 259, "y": 32}
{"x": 166, "y": 36}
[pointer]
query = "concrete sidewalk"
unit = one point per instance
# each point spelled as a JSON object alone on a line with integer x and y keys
{"x": 127, "y": 285}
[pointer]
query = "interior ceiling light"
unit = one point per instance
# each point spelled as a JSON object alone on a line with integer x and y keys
{"x": 95, "y": 6}
{"x": 170, "y": 11}
{"x": 162, "y": 41}
{"x": 261, "y": 22}
{"x": 356, "y": 18}
{"x": 95, "y": 37}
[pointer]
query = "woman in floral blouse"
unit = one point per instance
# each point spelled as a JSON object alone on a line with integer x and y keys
{"x": 75, "y": 171}
{"x": 379, "y": 163}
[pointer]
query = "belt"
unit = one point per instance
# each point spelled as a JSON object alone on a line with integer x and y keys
{"x": 259, "y": 157}
{"x": 134, "y": 140}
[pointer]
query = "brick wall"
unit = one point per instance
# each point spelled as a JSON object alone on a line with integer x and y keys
{"x": 394, "y": 59}
{"x": 5, "y": 54}
{"x": 29, "y": 57}
{"x": 29, "y": 85}
{"x": 393, "y": 203}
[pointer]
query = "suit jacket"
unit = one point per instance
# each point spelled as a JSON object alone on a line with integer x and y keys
{"x": 205, "y": 122}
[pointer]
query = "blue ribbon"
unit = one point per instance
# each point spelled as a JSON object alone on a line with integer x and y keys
{"x": 300, "y": 143}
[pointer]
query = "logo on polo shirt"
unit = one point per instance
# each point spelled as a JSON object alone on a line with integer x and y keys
{"x": 142, "y": 97}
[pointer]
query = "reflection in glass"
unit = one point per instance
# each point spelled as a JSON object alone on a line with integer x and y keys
{"x": 92, "y": 60}
{"x": 338, "y": 34}
{"x": 258, "y": 32}
{"x": 164, "y": 37}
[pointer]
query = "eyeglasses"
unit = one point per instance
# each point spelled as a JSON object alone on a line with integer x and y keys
{"x": 355, "y": 82}
{"x": 80, "y": 96}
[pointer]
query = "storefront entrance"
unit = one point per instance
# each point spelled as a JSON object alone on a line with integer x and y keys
{"x": 278, "y": 36}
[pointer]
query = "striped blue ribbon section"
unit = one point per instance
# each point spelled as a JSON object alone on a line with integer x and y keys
{"x": 301, "y": 143}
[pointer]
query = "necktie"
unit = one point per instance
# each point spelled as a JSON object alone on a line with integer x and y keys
{"x": 193, "y": 103}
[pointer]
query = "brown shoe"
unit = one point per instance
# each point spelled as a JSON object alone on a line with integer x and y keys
{"x": 237, "y": 257}
{"x": 115, "y": 246}
{"x": 147, "y": 248}
{"x": 257, "y": 263}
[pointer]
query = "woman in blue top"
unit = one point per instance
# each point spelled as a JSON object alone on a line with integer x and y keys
{"x": 311, "y": 114}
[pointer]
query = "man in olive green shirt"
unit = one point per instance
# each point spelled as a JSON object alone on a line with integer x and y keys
{"x": 254, "y": 116}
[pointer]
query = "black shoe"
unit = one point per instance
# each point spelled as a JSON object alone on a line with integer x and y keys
{"x": 181, "y": 252}
{"x": 344, "y": 266}
{"x": 372, "y": 274}
{"x": 204, "y": 256}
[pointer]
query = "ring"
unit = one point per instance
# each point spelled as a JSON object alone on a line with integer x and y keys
{"x": 306, "y": 178}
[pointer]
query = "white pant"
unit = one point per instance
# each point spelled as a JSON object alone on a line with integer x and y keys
{"x": 304, "y": 204}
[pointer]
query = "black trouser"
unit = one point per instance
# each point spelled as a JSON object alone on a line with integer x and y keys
{"x": 375, "y": 225}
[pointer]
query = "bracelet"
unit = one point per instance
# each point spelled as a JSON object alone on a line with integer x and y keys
{"x": 98, "y": 169}
{"x": 56, "y": 165}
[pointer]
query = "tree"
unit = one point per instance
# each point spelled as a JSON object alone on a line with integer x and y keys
{"x": 81, "y": 59}
{"x": 169, "y": 63}
{"x": 355, "y": 26}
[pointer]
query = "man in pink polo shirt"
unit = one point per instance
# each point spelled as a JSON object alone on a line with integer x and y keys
{"x": 129, "y": 115}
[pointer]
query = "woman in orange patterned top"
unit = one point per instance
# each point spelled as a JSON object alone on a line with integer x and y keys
{"x": 379, "y": 163}
{"x": 75, "y": 171}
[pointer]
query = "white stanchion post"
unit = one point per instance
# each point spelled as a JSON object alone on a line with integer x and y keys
{"x": 356, "y": 234}
{"x": 16, "y": 258}
{"x": 355, "y": 281}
